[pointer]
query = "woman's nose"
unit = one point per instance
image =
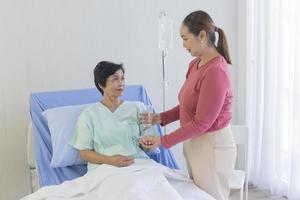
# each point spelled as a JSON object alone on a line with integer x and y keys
{"x": 122, "y": 82}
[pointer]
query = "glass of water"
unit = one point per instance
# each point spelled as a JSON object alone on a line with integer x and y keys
{"x": 145, "y": 117}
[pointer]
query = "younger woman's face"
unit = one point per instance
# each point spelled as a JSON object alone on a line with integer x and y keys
{"x": 193, "y": 44}
{"x": 115, "y": 84}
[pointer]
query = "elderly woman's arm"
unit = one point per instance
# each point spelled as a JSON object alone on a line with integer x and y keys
{"x": 97, "y": 158}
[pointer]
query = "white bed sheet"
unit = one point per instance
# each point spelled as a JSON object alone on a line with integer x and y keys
{"x": 144, "y": 180}
{"x": 189, "y": 191}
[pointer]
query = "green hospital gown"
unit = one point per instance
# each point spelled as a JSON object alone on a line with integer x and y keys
{"x": 110, "y": 133}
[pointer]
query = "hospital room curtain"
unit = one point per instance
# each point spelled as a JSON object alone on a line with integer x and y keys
{"x": 273, "y": 95}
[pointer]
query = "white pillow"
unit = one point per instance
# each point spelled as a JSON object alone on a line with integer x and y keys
{"x": 61, "y": 122}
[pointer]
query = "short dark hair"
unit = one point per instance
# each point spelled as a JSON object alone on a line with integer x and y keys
{"x": 103, "y": 70}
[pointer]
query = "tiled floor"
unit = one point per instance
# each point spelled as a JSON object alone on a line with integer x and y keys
{"x": 255, "y": 194}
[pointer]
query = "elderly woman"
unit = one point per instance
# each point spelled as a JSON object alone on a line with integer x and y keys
{"x": 107, "y": 132}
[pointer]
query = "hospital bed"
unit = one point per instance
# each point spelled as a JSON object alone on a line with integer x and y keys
{"x": 40, "y": 149}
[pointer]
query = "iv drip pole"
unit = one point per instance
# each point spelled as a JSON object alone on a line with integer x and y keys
{"x": 165, "y": 35}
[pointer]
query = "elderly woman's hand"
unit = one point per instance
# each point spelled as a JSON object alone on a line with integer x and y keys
{"x": 120, "y": 161}
{"x": 150, "y": 142}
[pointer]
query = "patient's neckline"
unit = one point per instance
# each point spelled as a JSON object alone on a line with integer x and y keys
{"x": 115, "y": 109}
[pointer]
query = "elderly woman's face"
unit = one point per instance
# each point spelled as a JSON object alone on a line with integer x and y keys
{"x": 115, "y": 84}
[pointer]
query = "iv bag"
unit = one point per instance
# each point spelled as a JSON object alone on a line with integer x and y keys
{"x": 165, "y": 32}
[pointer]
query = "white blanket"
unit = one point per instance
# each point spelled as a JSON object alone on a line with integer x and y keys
{"x": 144, "y": 180}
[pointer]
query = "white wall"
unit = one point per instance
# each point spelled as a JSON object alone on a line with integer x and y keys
{"x": 54, "y": 45}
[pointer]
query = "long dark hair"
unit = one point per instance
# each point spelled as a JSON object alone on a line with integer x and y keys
{"x": 200, "y": 20}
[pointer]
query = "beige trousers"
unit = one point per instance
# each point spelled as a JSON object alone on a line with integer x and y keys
{"x": 210, "y": 159}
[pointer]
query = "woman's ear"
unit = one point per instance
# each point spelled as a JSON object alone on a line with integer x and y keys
{"x": 202, "y": 36}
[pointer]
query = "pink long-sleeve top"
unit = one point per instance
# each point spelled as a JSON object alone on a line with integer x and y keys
{"x": 205, "y": 102}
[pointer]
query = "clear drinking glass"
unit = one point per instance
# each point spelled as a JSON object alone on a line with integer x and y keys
{"x": 146, "y": 110}
{"x": 149, "y": 111}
